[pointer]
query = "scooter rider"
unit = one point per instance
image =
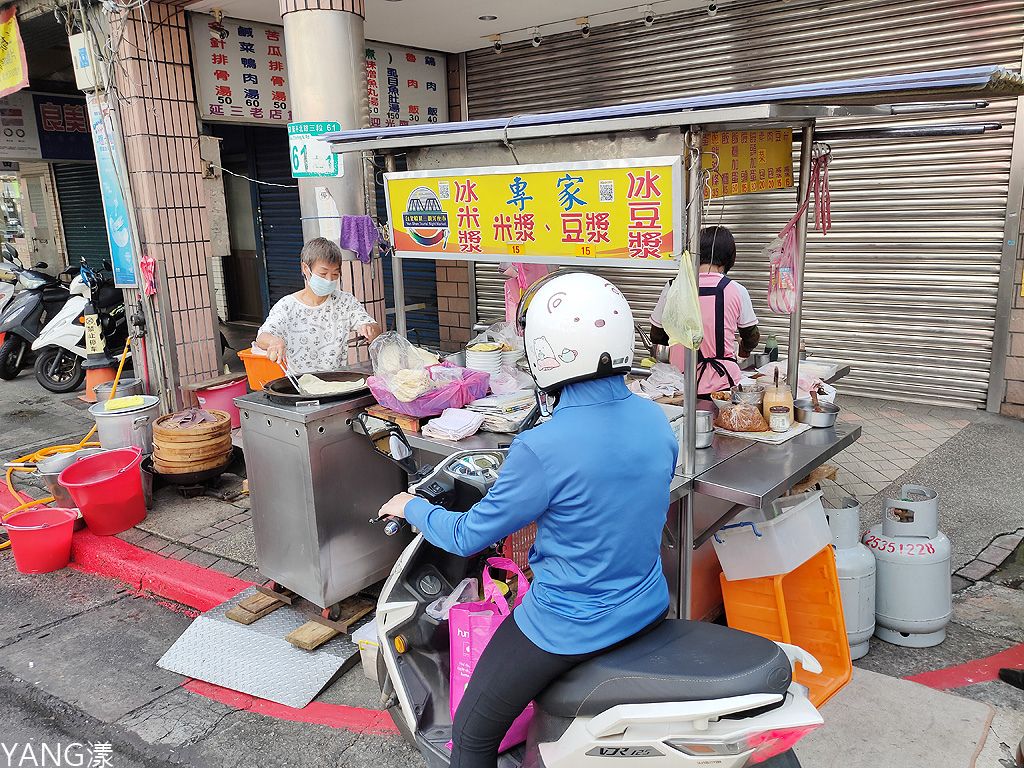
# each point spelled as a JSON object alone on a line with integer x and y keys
{"x": 596, "y": 480}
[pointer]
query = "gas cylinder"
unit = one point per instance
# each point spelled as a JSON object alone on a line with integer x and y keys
{"x": 856, "y": 567}
{"x": 913, "y": 590}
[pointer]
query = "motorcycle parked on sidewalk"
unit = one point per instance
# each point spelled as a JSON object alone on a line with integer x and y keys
{"x": 60, "y": 347}
{"x": 40, "y": 298}
{"x": 688, "y": 692}
{"x": 10, "y": 268}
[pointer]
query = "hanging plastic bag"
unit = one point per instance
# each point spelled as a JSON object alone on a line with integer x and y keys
{"x": 471, "y": 627}
{"x": 681, "y": 318}
{"x": 400, "y": 366}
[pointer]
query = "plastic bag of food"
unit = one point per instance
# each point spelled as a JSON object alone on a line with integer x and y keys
{"x": 740, "y": 417}
{"x": 457, "y": 393}
{"x": 400, "y": 366}
{"x": 510, "y": 380}
{"x": 681, "y": 318}
{"x": 500, "y": 333}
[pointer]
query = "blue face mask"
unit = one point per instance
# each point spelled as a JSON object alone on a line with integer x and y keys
{"x": 321, "y": 286}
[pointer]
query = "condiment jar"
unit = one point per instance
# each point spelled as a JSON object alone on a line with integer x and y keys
{"x": 777, "y": 396}
{"x": 779, "y": 417}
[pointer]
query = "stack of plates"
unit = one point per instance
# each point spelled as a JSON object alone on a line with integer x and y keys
{"x": 511, "y": 356}
{"x": 485, "y": 360}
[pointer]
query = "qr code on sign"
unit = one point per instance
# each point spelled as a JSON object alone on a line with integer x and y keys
{"x": 444, "y": 190}
{"x": 606, "y": 191}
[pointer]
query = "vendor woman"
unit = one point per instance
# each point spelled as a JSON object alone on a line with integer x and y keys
{"x": 308, "y": 331}
{"x": 725, "y": 308}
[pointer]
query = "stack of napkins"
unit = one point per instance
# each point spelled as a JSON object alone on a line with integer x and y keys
{"x": 454, "y": 424}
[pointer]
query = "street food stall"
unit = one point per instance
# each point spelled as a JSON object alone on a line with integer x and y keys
{"x": 622, "y": 186}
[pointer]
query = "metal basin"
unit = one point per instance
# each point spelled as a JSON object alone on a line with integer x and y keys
{"x": 804, "y": 411}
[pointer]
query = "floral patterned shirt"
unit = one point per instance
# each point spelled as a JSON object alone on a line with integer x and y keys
{"x": 316, "y": 337}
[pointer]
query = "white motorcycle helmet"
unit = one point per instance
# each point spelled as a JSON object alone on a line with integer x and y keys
{"x": 577, "y": 326}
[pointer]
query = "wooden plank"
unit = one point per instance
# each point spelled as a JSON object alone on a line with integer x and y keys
{"x": 407, "y": 423}
{"x": 824, "y": 472}
{"x": 311, "y": 635}
{"x": 252, "y": 608}
{"x": 227, "y": 378}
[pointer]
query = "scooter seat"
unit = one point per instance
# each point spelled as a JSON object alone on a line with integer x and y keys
{"x": 677, "y": 661}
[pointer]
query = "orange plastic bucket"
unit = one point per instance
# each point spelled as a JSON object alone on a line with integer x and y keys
{"x": 107, "y": 487}
{"x": 41, "y": 538}
{"x": 260, "y": 369}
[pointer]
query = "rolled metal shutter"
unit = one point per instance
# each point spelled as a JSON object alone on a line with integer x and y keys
{"x": 279, "y": 217}
{"x": 81, "y": 213}
{"x": 904, "y": 287}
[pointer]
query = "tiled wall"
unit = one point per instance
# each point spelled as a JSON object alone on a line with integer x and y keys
{"x": 453, "y": 304}
{"x": 1013, "y": 396}
{"x": 158, "y": 122}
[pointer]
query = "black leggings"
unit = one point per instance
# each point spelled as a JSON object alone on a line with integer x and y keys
{"x": 510, "y": 674}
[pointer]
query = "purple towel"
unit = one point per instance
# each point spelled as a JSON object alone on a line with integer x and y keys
{"x": 359, "y": 234}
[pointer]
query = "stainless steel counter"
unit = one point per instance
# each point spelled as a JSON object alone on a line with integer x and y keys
{"x": 761, "y": 473}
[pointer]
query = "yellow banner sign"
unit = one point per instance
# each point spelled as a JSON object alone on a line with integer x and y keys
{"x": 612, "y": 211}
{"x": 748, "y": 161}
{"x": 13, "y": 71}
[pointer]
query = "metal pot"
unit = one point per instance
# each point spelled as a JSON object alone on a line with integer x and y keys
{"x": 804, "y": 411}
{"x": 125, "y": 388}
{"x": 759, "y": 359}
{"x": 129, "y": 426}
{"x": 50, "y": 468}
{"x": 753, "y": 395}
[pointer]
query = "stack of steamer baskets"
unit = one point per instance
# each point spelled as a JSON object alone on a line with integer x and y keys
{"x": 192, "y": 450}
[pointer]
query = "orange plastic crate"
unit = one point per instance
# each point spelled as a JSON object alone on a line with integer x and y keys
{"x": 260, "y": 369}
{"x": 803, "y": 608}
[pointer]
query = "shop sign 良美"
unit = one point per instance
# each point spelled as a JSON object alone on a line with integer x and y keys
{"x": 740, "y": 162}
{"x": 240, "y": 71}
{"x": 611, "y": 212}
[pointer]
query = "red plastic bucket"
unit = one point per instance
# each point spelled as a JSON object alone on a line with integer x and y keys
{"x": 41, "y": 538}
{"x": 222, "y": 398}
{"x": 107, "y": 488}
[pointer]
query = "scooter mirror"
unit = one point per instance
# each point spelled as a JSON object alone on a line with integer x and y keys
{"x": 387, "y": 439}
{"x": 40, "y": 265}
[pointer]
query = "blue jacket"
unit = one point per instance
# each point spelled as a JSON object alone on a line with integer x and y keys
{"x": 596, "y": 479}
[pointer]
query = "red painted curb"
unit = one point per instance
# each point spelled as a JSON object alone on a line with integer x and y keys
{"x": 109, "y": 556}
{"x": 356, "y": 719}
{"x": 977, "y": 671}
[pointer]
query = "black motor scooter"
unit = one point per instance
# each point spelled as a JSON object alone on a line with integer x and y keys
{"x": 41, "y": 297}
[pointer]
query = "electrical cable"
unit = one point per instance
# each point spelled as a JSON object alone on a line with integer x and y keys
{"x": 255, "y": 181}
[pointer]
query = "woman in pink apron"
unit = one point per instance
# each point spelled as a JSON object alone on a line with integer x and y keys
{"x": 725, "y": 308}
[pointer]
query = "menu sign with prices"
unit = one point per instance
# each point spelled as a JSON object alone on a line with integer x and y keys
{"x": 240, "y": 71}
{"x": 405, "y": 87}
{"x": 748, "y": 161}
{"x": 615, "y": 212}
{"x": 19, "y": 137}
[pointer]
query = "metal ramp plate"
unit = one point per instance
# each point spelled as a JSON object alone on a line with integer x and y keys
{"x": 256, "y": 659}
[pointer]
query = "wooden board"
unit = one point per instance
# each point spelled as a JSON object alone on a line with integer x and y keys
{"x": 824, "y": 472}
{"x": 252, "y": 608}
{"x": 311, "y": 635}
{"x": 407, "y": 423}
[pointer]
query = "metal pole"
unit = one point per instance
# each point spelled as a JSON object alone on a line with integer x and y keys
{"x": 694, "y": 209}
{"x": 793, "y": 351}
{"x": 398, "y": 279}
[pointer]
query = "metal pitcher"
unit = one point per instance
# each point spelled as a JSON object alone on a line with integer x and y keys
{"x": 658, "y": 351}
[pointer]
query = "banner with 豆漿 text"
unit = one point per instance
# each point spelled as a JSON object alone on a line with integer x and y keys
{"x": 613, "y": 211}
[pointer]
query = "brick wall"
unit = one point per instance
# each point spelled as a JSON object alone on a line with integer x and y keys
{"x": 1013, "y": 394}
{"x": 453, "y": 304}
{"x": 158, "y": 122}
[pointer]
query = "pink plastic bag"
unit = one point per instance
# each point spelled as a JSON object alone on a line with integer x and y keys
{"x": 471, "y": 626}
{"x": 472, "y": 386}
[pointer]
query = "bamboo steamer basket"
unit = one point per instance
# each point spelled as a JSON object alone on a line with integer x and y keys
{"x": 198, "y": 448}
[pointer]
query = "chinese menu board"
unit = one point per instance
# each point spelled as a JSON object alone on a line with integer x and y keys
{"x": 405, "y": 87}
{"x": 240, "y": 71}
{"x": 619, "y": 211}
{"x": 748, "y": 161}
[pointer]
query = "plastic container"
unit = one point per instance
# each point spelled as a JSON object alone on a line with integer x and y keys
{"x": 108, "y": 489}
{"x": 125, "y": 387}
{"x": 366, "y": 638}
{"x": 767, "y": 542}
{"x": 127, "y": 427}
{"x": 259, "y": 368}
{"x": 222, "y": 398}
{"x": 41, "y": 538}
{"x": 803, "y": 608}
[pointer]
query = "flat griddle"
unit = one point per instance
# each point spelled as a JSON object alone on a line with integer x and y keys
{"x": 282, "y": 392}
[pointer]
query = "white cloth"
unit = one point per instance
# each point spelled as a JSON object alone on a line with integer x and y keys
{"x": 454, "y": 424}
{"x": 316, "y": 337}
